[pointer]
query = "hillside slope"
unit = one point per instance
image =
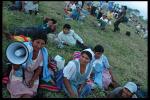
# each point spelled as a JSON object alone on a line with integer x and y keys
{"x": 127, "y": 55}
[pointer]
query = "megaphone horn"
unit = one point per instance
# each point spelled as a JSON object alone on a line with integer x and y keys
{"x": 17, "y": 53}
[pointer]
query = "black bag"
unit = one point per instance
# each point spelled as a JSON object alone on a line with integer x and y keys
{"x": 140, "y": 93}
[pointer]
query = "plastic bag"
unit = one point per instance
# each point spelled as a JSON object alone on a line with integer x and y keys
{"x": 60, "y": 62}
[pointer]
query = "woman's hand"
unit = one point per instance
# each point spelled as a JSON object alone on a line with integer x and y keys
{"x": 30, "y": 83}
{"x": 73, "y": 95}
{"x": 81, "y": 87}
{"x": 16, "y": 66}
{"x": 53, "y": 83}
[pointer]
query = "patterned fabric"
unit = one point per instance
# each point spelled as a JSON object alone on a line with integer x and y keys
{"x": 106, "y": 78}
{"x": 52, "y": 64}
{"x": 5, "y": 80}
{"x": 21, "y": 38}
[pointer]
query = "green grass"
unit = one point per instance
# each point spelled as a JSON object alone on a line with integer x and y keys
{"x": 127, "y": 55}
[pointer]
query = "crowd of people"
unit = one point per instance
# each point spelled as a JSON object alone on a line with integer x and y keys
{"x": 25, "y": 6}
{"x": 89, "y": 69}
{"x": 104, "y": 11}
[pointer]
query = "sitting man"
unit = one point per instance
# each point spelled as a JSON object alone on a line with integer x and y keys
{"x": 128, "y": 91}
{"x": 69, "y": 37}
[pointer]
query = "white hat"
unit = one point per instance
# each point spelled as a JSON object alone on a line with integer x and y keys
{"x": 132, "y": 87}
{"x": 89, "y": 50}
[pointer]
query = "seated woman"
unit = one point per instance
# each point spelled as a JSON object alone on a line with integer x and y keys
{"x": 102, "y": 72}
{"x": 127, "y": 91}
{"x": 76, "y": 73}
{"x": 24, "y": 78}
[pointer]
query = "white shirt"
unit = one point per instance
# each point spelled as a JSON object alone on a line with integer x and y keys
{"x": 73, "y": 6}
{"x": 105, "y": 20}
{"x": 70, "y": 5}
{"x": 69, "y": 38}
{"x": 70, "y": 70}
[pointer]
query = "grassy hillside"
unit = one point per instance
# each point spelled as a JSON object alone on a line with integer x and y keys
{"x": 127, "y": 55}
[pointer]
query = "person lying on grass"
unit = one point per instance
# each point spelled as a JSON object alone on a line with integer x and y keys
{"x": 127, "y": 91}
{"x": 48, "y": 26}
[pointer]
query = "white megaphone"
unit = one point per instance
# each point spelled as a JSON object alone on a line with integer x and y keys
{"x": 18, "y": 52}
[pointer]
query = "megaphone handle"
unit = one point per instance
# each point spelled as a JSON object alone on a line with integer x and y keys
{"x": 23, "y": 71}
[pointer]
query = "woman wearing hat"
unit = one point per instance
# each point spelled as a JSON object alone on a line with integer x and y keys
{"x": 76, "y": 73}
{"x": 128, "y": 91}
